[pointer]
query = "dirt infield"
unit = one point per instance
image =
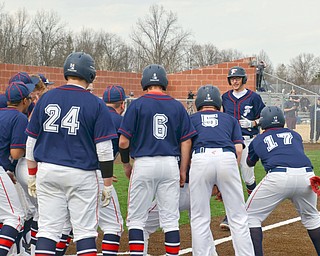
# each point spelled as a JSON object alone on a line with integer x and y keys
{"x": 291, "y": 239}
{"x": 287, "y": 240}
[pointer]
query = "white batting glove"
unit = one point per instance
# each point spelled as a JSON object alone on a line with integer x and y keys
{"x": 106, "y": 195}
{"x": 32, "y": 186}
{"x": 245, "y": 123}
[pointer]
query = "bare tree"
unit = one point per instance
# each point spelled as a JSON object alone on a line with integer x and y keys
{"x": 203, "y": 55}
{"x": 158, "y": 39}
{"x": 48, "y": 36}
{"x": 282, "y": 72}
{"x": 304, "y": 68}
{"x": 112, "y": 53}
{"x": 230, "y": 55}
{"x": 14, "y": 34}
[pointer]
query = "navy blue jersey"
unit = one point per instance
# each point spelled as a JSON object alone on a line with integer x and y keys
{"x": 248, "y": 106}
{"x": 215, "y": 130}
{"x": 156, "y": 124}
{"x": 67, "y": 122}
{"x": 116, "y": 118}
{"x": 278, "y": 147}
{"x": 12, "y": 126}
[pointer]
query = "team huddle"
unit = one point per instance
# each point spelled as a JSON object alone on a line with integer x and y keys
{"x": 57, "y": 151}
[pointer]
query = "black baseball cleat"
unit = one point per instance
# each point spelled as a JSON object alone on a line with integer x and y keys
{"x": 224, "y": 225}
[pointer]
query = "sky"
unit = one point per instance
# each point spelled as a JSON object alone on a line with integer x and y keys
{"x": 283, "y": 29}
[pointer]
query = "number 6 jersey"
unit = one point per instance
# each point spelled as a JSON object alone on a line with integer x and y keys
{"x": 159, "y": 134}
{"x": 67, "y": 122}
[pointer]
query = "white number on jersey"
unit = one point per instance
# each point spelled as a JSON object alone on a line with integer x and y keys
{"x": 54, "y": 112}
{"x": 159, "y": 127}
{"x": 209, "y": 120}
{"x": 271, "y": 144}
{"x": 69, "y": 121}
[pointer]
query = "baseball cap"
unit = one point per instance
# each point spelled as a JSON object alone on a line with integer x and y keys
{"x": 45, "y": 80}
{"x": 25, "y": 78}
{"x": 16, "y": 91}
{"x": 3, "y": 101}
{"x": 114, "y": 93}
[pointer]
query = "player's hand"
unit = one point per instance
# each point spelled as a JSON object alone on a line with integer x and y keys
{"x": 127, "y": 169}
{"x": 183, "y": 178}
{"x": 106, "y": 195}
{"x": 32, "y": 186}
{"x": 245, "y": 123}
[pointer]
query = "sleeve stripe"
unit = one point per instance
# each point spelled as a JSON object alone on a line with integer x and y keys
{"x": 31, "y": 133}
{"x": 126, "y": 133}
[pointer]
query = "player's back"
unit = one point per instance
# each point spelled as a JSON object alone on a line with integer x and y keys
{"x": 12, "y": 126}
{"x": 215, "y": 130}
{"x": 67, "y": 122}
{"x": 157, "y": 123}
{"x": 280, "y": 147}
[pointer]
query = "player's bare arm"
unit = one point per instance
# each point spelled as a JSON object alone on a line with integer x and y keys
{"x": 185, "y": 160}
{"x": 17, "y": 153}
{"x": 239, "y": 148}
{"x": 124, "y": 153}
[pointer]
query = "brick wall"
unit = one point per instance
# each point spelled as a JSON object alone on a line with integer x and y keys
{"x": 179, "y": 83}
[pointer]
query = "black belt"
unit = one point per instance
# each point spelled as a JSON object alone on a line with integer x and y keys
{"x": 250, "y": 136}
{"x": 203, "y": 150}
{"x": 283, "y": 169}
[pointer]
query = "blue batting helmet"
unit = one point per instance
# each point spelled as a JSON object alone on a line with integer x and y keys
{"x": 271, "y": 117}
{"x": 80, "y": 64}
{"x": 154, "y": 74}
{"x": 208, "y": 95}
{"x": 237, "y": 72}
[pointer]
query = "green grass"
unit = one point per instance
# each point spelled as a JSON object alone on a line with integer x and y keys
{"x": 217, "y": 208}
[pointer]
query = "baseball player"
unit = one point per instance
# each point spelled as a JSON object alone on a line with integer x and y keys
{"x": 78, "y": 129}
{"x": 3, "y": 101}
{"x": 110, "y": 218}
{"x": 216, "y": 152}
{"x": 13, "y": 123}
{"x": 244, "y": 105}
{"x": 155, "y": 130}
{"x": 288, "y": 172}
{"x": 48, "y": 84}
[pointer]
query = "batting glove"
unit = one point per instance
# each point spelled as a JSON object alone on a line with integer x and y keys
{"x": 32, "y": 186}
{"x": 245, "y": 123}
{"x": 106, "y": 195}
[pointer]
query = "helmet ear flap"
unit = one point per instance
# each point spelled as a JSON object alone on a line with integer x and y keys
{"x": 244, "y": 79}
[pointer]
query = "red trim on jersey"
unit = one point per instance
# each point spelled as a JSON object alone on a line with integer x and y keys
{"x": 188, "y": 135}
{"x": 127, "y": 134}
{"x": 31, "y": 133}
{"x": 104, "y": 137}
